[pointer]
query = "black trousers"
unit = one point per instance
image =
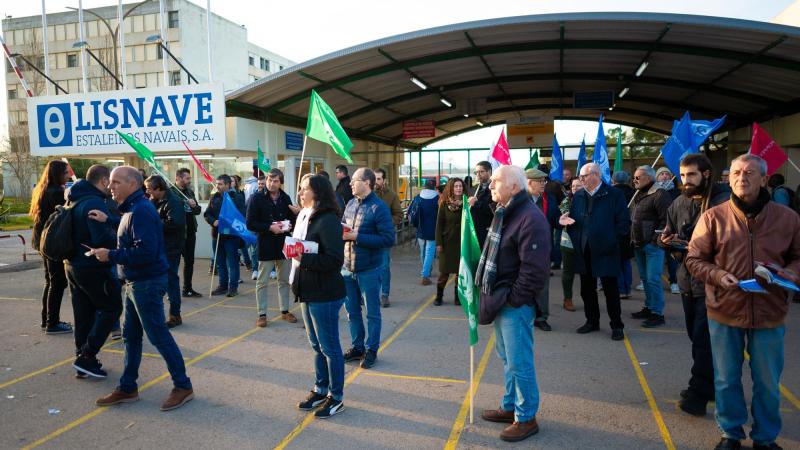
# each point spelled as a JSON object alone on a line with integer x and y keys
{"x": 55, "y": 282}
{"x": 97, "y": 305}
{"x": 702, "y": 379}
{"x": 589, "y": 296}
{"x": 188, "y": 260}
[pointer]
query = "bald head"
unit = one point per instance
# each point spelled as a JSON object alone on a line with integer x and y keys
{"x": 125, "y": 180}
{"x": 590, "y": 176}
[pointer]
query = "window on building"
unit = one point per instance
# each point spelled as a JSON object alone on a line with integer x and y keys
{"x": 251, "y": 60}
{"x": 159, "y": 52}
{"x": 12, "y": 94}
{"x": 175, "y": 78}
{"x": 173, "y": 19}
{"x": 280, "y": 67}
{"x": 8, "y": 66}
{"x": 40, "y": 62}
{"x": 264, "y": 64}
{"x": 72, "y": 60}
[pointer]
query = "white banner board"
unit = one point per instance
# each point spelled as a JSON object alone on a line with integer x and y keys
{"x": 160, "y": 118}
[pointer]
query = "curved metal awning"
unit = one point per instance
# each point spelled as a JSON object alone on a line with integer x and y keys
{"x": 532, "y": 66}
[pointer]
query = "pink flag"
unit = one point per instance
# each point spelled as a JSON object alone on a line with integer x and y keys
{"x": 500, "y": 154}
{"x": 766, "y": 148}
{"x": 203, "y": 171}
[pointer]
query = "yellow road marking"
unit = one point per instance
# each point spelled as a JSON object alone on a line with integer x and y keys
{"x": 310, "y": 417}
{"x": 444, "y": 318}
{"x": 18, "y": 298}
{"x": 458, "y": 426}
{"x": 149, "y": 355}
{"x": 659, "y": 330}
{"x": 412, "y": 377}
{"x": 786, "y": 392}
{"x": 238, "y": 306}
{"x": 662, "y": 427}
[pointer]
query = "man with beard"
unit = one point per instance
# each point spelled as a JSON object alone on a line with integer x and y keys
{"x": 699, "y": 194}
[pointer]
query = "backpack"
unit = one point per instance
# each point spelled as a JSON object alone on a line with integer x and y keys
{"x": 413, "y": 212}
{"x": 792, "y": 197}
{"x": 56, "y": 241}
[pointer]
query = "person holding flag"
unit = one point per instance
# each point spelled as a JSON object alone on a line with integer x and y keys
{"x": 512, "y": 270}
{"x": 481, "y": 205}
{"x": 228, "y": 238}
{"x": 183, "y": 181}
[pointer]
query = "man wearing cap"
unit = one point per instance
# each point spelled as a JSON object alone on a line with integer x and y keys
{"x": 548, "y": 205}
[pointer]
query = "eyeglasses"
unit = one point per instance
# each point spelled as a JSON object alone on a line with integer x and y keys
{"x": 640, "y": 177}
{"x": 584, "y": 176}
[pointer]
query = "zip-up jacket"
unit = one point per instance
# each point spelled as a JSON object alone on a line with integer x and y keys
{"x": 140, "y": 241}
{"x": 649, "y": 213}
{"x": 86, "y": 197}
{"x": 371, "y": 219}
{"x": 173, "y": 218}
{"x": 191, "y": 220}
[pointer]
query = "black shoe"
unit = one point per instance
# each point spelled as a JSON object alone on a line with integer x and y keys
{"x": 653, "y": 321}
{"x": 728, "y": 444}
{"x": 90, "y": 366}
{"x": 312, "y": 401}
{"x": 191, "y": 293}
{"x": 59, "y": 328}
{"x": 772, "y": 446}
{"x": 219, "y": 291}
{"x": 542, "y": 325}
{"x": 645, "y": 313}
{"x": 353, "y": 354}
{"x": 438, "y": 301}
{"x": 232, "y": 293}
{"x": 617, "y": 334}
{"x": 330, "y": 408}
{"x": 687, "y": 393}
{"x": 587, "y": 328}
{"x": 369, "y": 359}
{"x": 692, "y": 405}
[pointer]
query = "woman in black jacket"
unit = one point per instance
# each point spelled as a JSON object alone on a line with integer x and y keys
{"x": 49, "y": 193}
{"x": 318, "y": 284}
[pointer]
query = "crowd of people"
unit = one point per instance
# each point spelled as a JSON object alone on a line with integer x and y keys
{"x": 130, "y": 232}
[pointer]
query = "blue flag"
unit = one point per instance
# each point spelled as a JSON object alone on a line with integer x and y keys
{"x": 679, "y": 144}
{"x": 701, "y": 130}
{"x": 600, "y": 155}
{"x": 231, "y": 221}
{"x": 581, "y": 157}
{"x": 557, "y": 171}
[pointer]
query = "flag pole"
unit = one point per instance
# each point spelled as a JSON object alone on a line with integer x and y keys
{"x": 651, "y": 165}
{"x": 300, "y": 169}
{"x": 793, "y": 164}
{"x": 471, "y": 383}
{"x": 214, "y": 264}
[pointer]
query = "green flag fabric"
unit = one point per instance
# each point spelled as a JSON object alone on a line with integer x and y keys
{"x": 618, "y": 155}
{"x": 143, "y": 152}
{"x": 534, "y": 162}
{"x": 470, "y": 255}
{"x": 263, "y": 161}
{"x": 324, "y": 127}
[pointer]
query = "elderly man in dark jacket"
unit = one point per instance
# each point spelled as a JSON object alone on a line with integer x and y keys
{"x": 513, "y": 269}
{"x": 173, "y": 216}
{"x": 597, "y": 220}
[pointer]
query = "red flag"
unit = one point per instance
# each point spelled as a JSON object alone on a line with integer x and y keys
{"x": 766, "y": 148}
{"x": 70, "y": 172}
{"x": 500, "y": 151}
{"x": 203, "y": 171}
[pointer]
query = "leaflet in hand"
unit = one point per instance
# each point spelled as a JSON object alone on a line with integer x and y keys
{"x": 770, "y": 277}
{"x": 293, "y": 247}
{"x": 752, "y": 286}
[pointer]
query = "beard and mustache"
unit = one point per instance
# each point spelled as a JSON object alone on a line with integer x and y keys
{"x": 692, "y": 190}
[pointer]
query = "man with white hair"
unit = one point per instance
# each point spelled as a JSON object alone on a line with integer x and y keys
{"x": 513, "y": 270}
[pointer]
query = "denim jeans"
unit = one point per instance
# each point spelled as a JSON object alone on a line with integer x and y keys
{"x": 174, "y": 285}
{"x": 253, "y": 251}
{"x": 650, "y": 262}
{"x": 625, "y": 277}
{"x": 427, "y": 250}
{"x": 514, "y": 331}
{"x": 765, "y": 346}
{"x": 364, "y": 285}
{"x": 386, "y": 273}
{"x": 96, "y": 305}
{"x": 228, "y": 263}
{"x": 321, "y": 320}
{"x": 144, "y": 314}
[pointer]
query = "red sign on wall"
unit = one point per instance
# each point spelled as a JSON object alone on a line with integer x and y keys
{"x": 419, "y": 129}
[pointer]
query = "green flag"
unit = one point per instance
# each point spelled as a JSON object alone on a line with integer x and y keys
{"x": 534, "y": 162}
{"x": 324, "y": 127}
{"x": 145, "y": 153}
{"x": 470, "y": 255}
{"x": 618, "y": 156}
{"x": 263, "y": 161}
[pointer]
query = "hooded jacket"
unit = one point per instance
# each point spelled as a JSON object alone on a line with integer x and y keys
{"x": 86, "y": 231}
{"x": 428, "y": 210}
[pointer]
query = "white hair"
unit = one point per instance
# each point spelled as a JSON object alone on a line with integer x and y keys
{"x": 514, "y": 176}
{"x": 591, "y": 168}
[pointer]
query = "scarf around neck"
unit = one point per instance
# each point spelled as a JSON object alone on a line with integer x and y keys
{"x": 487, "y": 266}
{"x": 755, "y": 208}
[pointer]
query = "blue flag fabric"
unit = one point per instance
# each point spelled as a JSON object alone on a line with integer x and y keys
{"x": 557, "y": 171}
{"x": 701, "y": 130}
{"x": 600, "y": 155}
{"x": 581, "y": 157}
{"x": 231, "y": 221}
{"x": 679, "y": 144}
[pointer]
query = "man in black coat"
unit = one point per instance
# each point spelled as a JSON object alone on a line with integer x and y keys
{"x": 183, "y": 181}
{"x": 267, "y": 214}
{"x": 344, "y": 191}
{"x": 173, "y": 216}
{"x": 481, "y": 205}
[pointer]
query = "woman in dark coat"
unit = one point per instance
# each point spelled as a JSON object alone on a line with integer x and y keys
{"x": 317, "y": 283}
{"x": 49, "y": 193}
{"x": 448, "y": 235}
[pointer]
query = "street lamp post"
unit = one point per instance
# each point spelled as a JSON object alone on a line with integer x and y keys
{"x": 85, "y": 46}
{"x": 58, "y": 87}
{"x": 160, "y": 42}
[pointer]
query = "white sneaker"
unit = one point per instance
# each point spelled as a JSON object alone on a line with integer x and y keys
{"x": 273, "y": 275}
{"x": 674, "y": 288}
{"x": 254, "y": 276}
{"x": 640, "y": 286}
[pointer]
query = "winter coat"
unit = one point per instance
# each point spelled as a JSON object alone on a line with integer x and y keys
{"x": 345, "y": 191}
{"x": 625, "y": 246}
{"x": 191, "y": 220}
{"x": 53, "y": 196}
{"x": 173, "y": 218}
{"x": 87, "y": 197}
{"x": 448, "y": 236}
{"x": 601, "y": 221}
{"x": 371, "y": 219}
{"x": 428, "y": 211}
{"x": 319, "y": 277}
{"x": 552, "y": 214}
{"x": 140, "y": 251}
{"x": 482, "y": 212}
{"x": 648, "y": 214}
{"x": 261, "y": 212}
{"x": 393, "y": 202}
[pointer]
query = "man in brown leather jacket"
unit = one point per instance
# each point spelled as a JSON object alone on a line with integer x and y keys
{"x": 726, "y": 244}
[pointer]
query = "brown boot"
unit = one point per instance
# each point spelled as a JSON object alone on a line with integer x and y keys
{"x": 117, "y": 397}
{"x": 177, "y": 398}
{"x": 568, "y": 305}
{"x": 174, "y": 321}
{"x": 518, "y": 431}
{"x": 498, "y": 415}
{"x": 425, "y": 281}
{"x": 289, "y": 317}
{"x": 261, "y": 322}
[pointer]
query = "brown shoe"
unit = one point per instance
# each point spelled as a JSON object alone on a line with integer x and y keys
{"x": 177, "y": 398}
{"x": 498, "y": 415}
{"x": 117, "y": 397}
{"x": 518, "y": 431}
{"x": 568, "y": 305}
{"x": 425, "y": 281}
{"x": 289, "y": 317}
{"x": 174, "y": 321}
{"x": 261, "y": 322}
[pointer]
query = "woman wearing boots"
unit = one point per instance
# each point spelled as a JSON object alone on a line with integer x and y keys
{"x": 448, "y": 235}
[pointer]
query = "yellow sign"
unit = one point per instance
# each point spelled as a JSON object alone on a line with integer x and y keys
{"x": 530, "y": 129}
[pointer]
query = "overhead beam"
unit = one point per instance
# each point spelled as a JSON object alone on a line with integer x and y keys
{"x": 491, "y": 72}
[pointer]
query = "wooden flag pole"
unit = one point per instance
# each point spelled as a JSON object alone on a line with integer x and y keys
{"x": 214, "y": 266}
{"x": 471, "y": 383}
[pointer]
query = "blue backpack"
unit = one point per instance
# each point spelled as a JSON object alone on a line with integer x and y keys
{"x": 413, "y": 212}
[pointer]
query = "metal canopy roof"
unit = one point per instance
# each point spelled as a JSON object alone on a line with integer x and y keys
{"x": 532, "y": 65}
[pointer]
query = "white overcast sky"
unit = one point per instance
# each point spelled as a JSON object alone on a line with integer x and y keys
{"x": 304, "y": 29}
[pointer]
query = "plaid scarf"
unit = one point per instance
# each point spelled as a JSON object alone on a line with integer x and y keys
{"x": 487, "y": 266}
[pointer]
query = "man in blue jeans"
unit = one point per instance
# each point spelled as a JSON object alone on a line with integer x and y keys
{"x": 227, "y": 246}
{"x": 142, "y": 262}
{"x": 369, "y": 234}
{"x": 648, "y": 214}
{"x": 729, "y": 242}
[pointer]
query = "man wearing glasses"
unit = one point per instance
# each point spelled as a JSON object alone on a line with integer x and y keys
{"x": 481, "y": 205}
